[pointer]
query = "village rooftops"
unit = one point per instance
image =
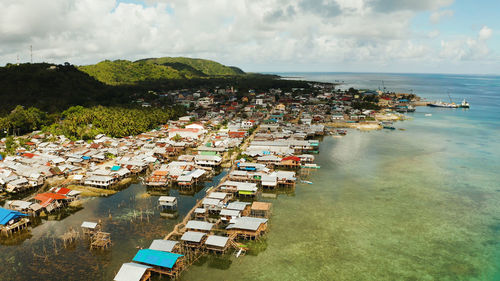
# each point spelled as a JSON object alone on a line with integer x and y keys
{"x": 199, "y": 225}
{"x": 131, "y": 272}
{"x": 163, "y": 245}
{"x": 193, "y": 236}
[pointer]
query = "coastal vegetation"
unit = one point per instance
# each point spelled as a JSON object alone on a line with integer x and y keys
{"x": 85, "y": 123}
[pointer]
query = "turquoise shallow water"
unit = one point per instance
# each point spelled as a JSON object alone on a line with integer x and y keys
{"x": 419, "y": 204}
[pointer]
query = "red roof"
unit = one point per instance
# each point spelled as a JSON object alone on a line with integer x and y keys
{"x": 237, "y": 134}
{"x": 29, "y": 155}
{"x": 185, "y": 130}
{"x": 63, "y": 191}
{"x": 46, "y": 198}
{"x": 294, "y": 158}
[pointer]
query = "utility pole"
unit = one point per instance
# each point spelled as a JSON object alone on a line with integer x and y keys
{"x": 31, "y": 53}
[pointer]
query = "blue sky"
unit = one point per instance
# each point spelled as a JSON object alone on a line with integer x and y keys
{"x": 430, "y": 36}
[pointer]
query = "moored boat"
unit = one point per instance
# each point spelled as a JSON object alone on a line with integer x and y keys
{"x": 464, "y": 104}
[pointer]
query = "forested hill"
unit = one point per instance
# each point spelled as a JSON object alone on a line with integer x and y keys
{"x": 52, "y": 88}
{"x": 124, "y": 72}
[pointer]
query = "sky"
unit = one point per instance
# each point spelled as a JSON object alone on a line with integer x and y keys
{"x": 415, "y": 36}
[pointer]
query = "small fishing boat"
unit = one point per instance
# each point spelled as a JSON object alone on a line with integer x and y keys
{"x": 388, "y": 125}
{"x": 428, "y": 114}
{"x": 342, "y": 132}
{"x": 308, "y": 182}
{"x": 464, "y": 104}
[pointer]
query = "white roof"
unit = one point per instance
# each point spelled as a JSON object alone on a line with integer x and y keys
{"x": 163, "y": 245}
{"x": 199, "y": 225}
{"x": 88, "y": 224}
{"x": 217, "y": 195}
{"x": 192, "y": 236}
{"x": 247, "y": 223}
{"x": 167, "y": 199}
{"x": 131, "y": 272}
{"x": 215, "y": 240}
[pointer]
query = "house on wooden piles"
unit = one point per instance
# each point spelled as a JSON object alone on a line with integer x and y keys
{"x": 260, "y": 209}
{"x": 226, "y": 215}
{"x": 100, "y": 181}
{"x": 12, "y": 221}
{"x": 193, "y": 239}
{"x": 167, "y": 263}
{"x": 191, "y": 178}
{"x": 269, "y": 160}
{"x": 242, "y": 207}
{"x": 244, "y": 189}
{"x": 217, "y": 244}
{"x": 90, "y": 228}
{"x": 158, "y": 178}
{"x": 167, "y": 203}
{"x": 291, "y": 162}
{"x": 200, "y": 226}
{"x": 26, "y": 207}
{"x": 165, "y": 245}
{"x": 247, "y": 227}
{"x": 51, "y": 201}
{"x": 208, "y": 160}
{"x": 132, "y": 271}
{"x": 286, "y": 178}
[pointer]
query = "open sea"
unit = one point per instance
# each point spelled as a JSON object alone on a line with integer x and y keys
{"x": 416, "y": 204}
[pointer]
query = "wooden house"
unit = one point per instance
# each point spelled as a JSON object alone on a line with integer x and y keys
{"x": 260, "y": 209}
{"x": 12, "y": 221}
{"x": 166, "y": 263}
{"x": 247, "y": 227}
{"x": 167, "y": 203}
{"x": 193, "y": 239}
{"x": 217, "y": 244}
{"x": 200, "y": 226}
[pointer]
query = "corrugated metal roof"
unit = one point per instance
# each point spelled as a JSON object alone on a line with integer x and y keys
{"x": 215, "y": 240}
{"x": 131, "y": 272}
{"x": 247, "y": 223}
{"x": 158, "y": 258}
{"x": 6, "y": 215}
{"x": 88, "y": 224}
{"x": 199, "y": 225}
{"x": 163, "y": 245}
{"x": 240, "y": 206}
{"x": 192, "y": 236}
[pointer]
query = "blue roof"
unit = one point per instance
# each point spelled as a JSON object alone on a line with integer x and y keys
{"x": 158, "y": 258}
{"x": 115, "y": 168}
{"x": 6, "y": 215}
{"x": 85, "y": 158}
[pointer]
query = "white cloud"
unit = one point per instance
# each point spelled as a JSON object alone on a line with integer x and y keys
{"x": 262, "y": 34}
{"x": 485, "y": 33}
{"x": 438, "y": 15}
{"x": 467, "y": 49}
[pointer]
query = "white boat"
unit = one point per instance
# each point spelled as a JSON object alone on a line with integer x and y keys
{"x": 464, "y": 104}
{"x": 443, "y": 104}
{"x": 308, "y": 182}
{"x": 428, "y": 114}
